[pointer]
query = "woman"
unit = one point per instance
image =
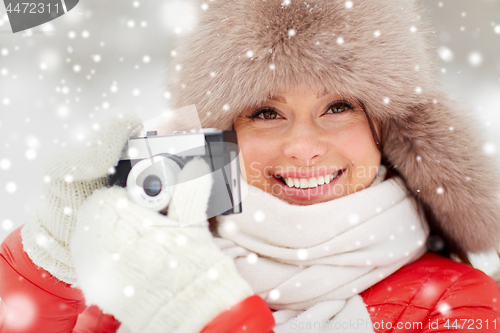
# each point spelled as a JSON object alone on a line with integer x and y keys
{"x": 320, "y": 95}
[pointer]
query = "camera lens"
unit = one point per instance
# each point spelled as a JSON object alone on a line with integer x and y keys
{"x": 152, "y": 185}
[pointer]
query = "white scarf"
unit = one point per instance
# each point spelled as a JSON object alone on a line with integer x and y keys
{"x": 310, "y": 262}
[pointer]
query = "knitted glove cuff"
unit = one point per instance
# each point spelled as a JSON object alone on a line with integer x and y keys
{"x": 210, "y": 294}
{"x": 47, "y": 235}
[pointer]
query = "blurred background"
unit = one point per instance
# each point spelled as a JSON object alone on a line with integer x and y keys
{"x": 113, "y": 54}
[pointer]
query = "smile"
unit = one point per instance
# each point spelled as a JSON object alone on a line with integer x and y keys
{"x": 304, "y": 183}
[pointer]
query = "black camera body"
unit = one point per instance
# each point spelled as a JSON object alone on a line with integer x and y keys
{"x": 149, "y": 166}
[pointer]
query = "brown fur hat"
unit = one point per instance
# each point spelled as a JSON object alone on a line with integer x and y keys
{"x": 376, "y": 51}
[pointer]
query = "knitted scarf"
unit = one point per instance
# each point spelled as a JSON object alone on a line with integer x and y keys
{"x": 310, "y": 262}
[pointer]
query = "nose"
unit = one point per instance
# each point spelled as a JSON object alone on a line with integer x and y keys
{"x": 305, "y": 144}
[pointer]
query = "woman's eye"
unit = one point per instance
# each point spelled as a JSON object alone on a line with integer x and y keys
{"x": 265, "y": 114}
{"x": 338, "y": 108}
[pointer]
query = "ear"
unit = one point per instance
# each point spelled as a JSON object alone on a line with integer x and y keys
{"x": 439, "y": 150}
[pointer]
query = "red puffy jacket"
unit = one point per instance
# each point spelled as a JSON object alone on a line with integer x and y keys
{"x": 432, "y": 294}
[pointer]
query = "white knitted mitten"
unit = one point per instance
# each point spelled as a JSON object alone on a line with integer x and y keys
{"x": 70, "y": 178}
{"x": 155, "y": 273}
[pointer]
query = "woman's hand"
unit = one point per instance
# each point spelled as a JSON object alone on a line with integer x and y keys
{"x": 70, "y": 178}
{"x": 146, "y": 269}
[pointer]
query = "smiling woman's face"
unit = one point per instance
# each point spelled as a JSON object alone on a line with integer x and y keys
{"x": 305, "y": 150}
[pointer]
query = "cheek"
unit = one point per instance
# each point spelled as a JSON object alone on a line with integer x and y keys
{"x": 357, "y": 147}
{"x": 256, "y": 152}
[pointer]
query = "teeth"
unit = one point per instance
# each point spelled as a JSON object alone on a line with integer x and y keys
{"x": 311, "y": 182}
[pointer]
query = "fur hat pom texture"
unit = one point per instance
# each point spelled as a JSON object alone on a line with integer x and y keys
{"x": 378, "y": 52}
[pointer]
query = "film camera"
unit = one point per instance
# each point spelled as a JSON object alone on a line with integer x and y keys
{"x": 150, "y": 163}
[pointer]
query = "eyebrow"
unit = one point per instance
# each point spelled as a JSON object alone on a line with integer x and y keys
{"x": 277, "y": 98}
{"x": 281, "y": 99}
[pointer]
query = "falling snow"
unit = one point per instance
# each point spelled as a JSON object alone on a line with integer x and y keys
{"x": 259, "y": 216}
{"x": 7, "y": 224}
{"x": 252, "y": 258}
{"x": 302, "y": 254}
{"x": 5, "y": 164}
{"x": 213, "y": 273}
{"x": 445, "y": 53}
{"x": 274, "y": 294}
{"x": 475, "y": 59}
{"x": 11, "y": 187}
{"x": 128, "y": 291}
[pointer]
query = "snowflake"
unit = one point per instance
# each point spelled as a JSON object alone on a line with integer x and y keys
{"x": 475, "y": 59}
{"x": 443, "y": 308}
{"x": 353, "y": 219}
{"x": 489, "y": 148}
{"x": 85, "y": 34}
{"x": 213, "y": 273}
{"x": 172, "y": 264}
{"x": 7, "y": 224}
{"x": 274, "y": 294}
{"x": 128, "y": 291}
{"x": 259, "y": 216}
{"x": 445, "y": 54}
{"x": 30, "y": 154}
{"x": 5, "y": 164}
{"x": 41, "y": 240}
{"x": 252, "y": 258}
{"x": 292, "y": 32}
{"x": 62, "y": 111}
{"x": 181, "y": 240}
{"x": 348, "y": 4}
{"x": 11, "y": 187}
{"x": 302, "y": 254}
{"x": 376, "y": 34}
